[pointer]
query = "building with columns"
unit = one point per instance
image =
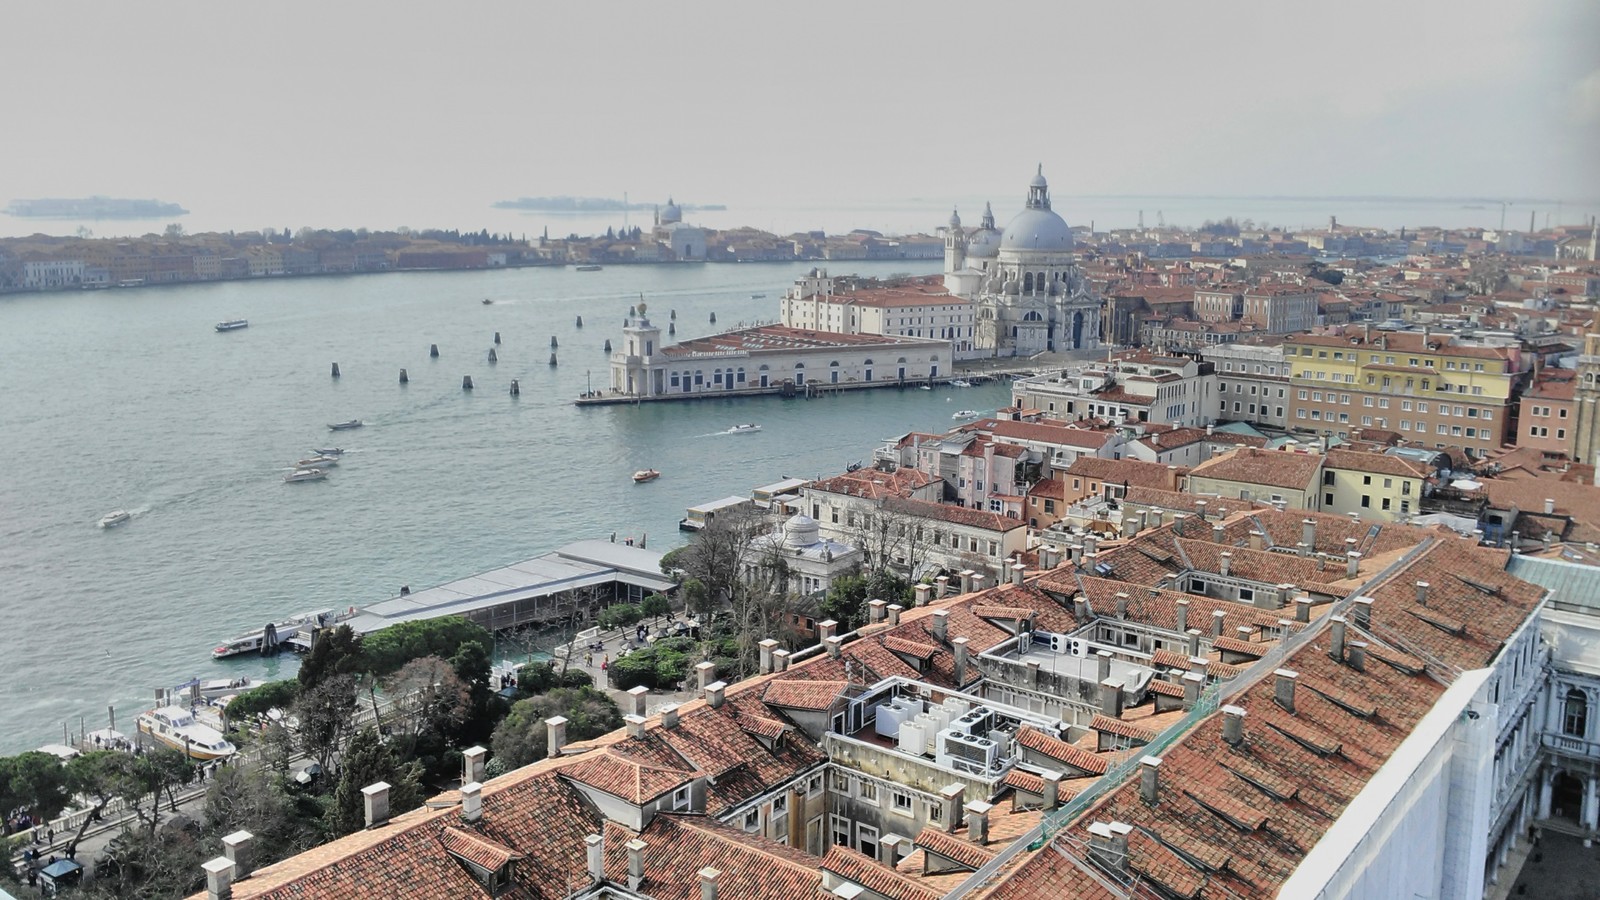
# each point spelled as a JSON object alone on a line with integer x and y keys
{"x": 1029, "y": 293}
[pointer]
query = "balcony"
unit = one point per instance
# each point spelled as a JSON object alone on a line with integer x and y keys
{"x": 1571, "y": 746}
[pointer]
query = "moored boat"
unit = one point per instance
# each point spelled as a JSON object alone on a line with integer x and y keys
{"x": 318, "y": 462}
{"x": 644, "y": 475}
{"x": 176, "y": 727}
{"x": 114, "y": 518}
{"x": 233, "y": 324}
{"x": 588, "y": 268}
{"x": 249, "y": 643}
{"x": 959, "y": 383}
{"x": 346, "y": 426}
{"x": 299, "y": 475}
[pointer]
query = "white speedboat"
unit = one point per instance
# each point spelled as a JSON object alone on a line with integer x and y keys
{"x": 346, "y": 426}
{"x": 299, "y": 475}
{"x": 965, "y": 414}
{"x": 176, "y": 727}
{"x": 746, "y": 428}
{"x": 328, "y": 451}
{"x": 114, "y": 518}
{"x": 924, "y": 387}
{"x": 318, "y": 462}
{"x": 250, "y": 643}
{"x": 233, "y": 324}
{"x": 960, "y": 383}
{"x": 643, "y": 475}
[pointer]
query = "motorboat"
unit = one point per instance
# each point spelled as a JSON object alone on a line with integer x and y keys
{"x": 965, "y": 414}
{"x": 233, "y": 324}
{"x": 299, "y": 475}
{"x": 114, "y": 518}
{"x": 959, "y": 383}
{"x": 588, "y": 268}
{"x": 318, "y": 462}
{"x": 250, "y": 643}
{"x": 212, "y": 688}
{"x": 176, "y": 727}
{"x": 328, "y": 451}
{"x": 757, "y": 296}
{"x": 346, "y": 426}
{"x": 643, "y": 475}
{"x": 487, "y": 302}
{"x": 746, "y": 428}
{"x": 924, "y": 387}
{"x": 284, "y": 633}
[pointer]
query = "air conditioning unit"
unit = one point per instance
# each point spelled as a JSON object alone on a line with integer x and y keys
{"x": 913, "y": 738}
{"x": 1079, "y": 648}
{"x": 965, "y": 751}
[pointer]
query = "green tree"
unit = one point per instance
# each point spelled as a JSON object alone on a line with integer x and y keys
{"x": 336, "y": 652}
{"x": 368, "y": 760}
{"x": 521, "y": 739}
{"x": 256, "y": 800}
{"x": 846, "y": 602}
{"x": 655, "y": 606}
{"x": 387, "y": 650}
{"x": 326, "y": 714}
{"x": 98, "y": 777}
{"x": 619, "y": 615}
{"x": 258, "y": 700}
{"x": 34, "y": 783}
{"x": 429, "y": 698}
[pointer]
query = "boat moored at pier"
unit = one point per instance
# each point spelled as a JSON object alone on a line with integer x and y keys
{"x": 175, "y": 727}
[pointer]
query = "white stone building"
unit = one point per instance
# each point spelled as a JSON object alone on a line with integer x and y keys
{"x": 1252, "y": 383}
{"x": 916, "y": 307}
{"x": 1134, "y": 386}
{"x": 812, "y": 561}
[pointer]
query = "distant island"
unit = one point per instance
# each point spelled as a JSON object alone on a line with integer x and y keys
{"x": 93, "y": 208}
{"x": 591, "y": 205}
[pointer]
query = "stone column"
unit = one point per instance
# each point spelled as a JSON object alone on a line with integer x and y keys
{"x": 1546, "y": 782}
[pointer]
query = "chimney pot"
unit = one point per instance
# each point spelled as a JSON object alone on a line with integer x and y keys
{"x": 1422, "y": 593}
{"x": 375, "y": 802}
{"x": 555, "y": 735}
{"x": 1336, "y": 638}
{"x": 767, "y": 646}
{"x": 1258, "y": 541}
{"x": 1103, "y": 664}
{"x": 715, "y": 692}
{"x": 1219, "y": 532}
{"x": 635, "y": 850}
{"x": 1052, "y": 789}
{"x": 472, "y": 764}
{"x": 596, "y": 846}
{"x": 827, "y": 628}
{"x": 1284, "y": 688}
{"x": 1200, "y": 509}
{"x": 238, "y": 847}
{"x": 1217, "y": 618}
{"x": 894, "y": 613}
{"x": 924, "y": 594}
{"x": 941, "y": 624}
{"x": 780, "y": 660}
{"x": 1111, "y": 698}
{"x": 1149, "y": 778}
{"x": 635, "y": 725}
{"x": 638, "y": 694}
{"x": 876, "y": 611}
{"x": 966, "y": 581}
{"x": 1183, "y": 616}
{"x": 1193, "y": 684}
{"x": 954, "y": 812}
{"x": 1362, "y": 610}
{"x": 219, "y": 878}
{"x": 1233, "y": 725}
{"x": 669, "y": 716}
{"x": 1122, "y": 604}
{"x": 1227, "y": 563}
{"x": 1018, "y": 570}
{"x": 1352, "y": 566}
{"x": 835, "y": 647}
{"x": 978, "y": 822}
{"x": 1308, "y": 533}
{"x": 1356, "y": 655}
{"x": 1193, "y": 634}
{"x": 941, "y": 586}
{"x": 1549, "y": 506}
{"x": 960, "y": 645}
{"x": 704, "y": 673}
{"x": 471, "y": 802}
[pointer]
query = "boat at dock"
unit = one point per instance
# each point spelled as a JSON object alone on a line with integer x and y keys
{"x": 318, "y": 462}
{"x": 346, "y": 426}
{"x": 964, "y": 414}
{"x": 292, "y": 632}
{"x": 175, "y": 727}
{"x": 299, "y": 475}
{"x": 643, "y": 475}
{"x": 209, "y": 689}
{"x": 746, "y": 428}
{"x": 114, "y": 518}
{"x": 233, "y": 324}
{"x": 959, "y": 383}
{"x": 588, "y": 268}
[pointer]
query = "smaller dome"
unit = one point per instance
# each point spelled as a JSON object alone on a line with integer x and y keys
{"x": 801, "y": 531}
{"x": 984, "y": 244}
{"x": 1038, "y": 179}
{"x": 671, "y": 213}
{"x": 955, "y": 219}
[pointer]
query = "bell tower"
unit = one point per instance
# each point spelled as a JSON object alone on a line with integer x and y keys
{"x": 955, "y": 245}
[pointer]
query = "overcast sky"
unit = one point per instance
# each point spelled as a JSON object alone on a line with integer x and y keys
{"x": 345, "y": 108}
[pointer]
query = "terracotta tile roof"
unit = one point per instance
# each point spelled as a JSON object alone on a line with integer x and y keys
{"x": 1023, "y": 781}
{"x": 1272, "y": 468}
{"x": 1005, "y": 613}
{"x": 807, "y": 695}
{"x": 875, "y": 483}
{"x": 1132, "y": 472}
{"x": 475, "y": 848}
{"x": 1043, "y": 433}
{"x": 1061, "y": 751}
{"x": 1170, "y": 659}
{"x": 1165, "y": 688}
{"x": 956, "y": 515}
{"x": 1234, "y": 645}
{"x": 1152, "y": 859}
{"x": 679, "y": 845}
{"x": 914, "y": 649}
{"x": 849, "y": 864}
{"x": 1377, "y": 463}
{"x": 964, "y": 853}
{"x": 633, "y": 780}
{"x": 763, "y": 727}
{"x": 1108, "y": 725}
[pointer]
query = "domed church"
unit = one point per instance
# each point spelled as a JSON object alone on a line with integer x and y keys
{"x": 1028, "y": 293}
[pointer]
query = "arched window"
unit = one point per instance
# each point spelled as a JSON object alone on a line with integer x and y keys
{"x": 1027, "y": 283}
{"x": 1575, "y": 714}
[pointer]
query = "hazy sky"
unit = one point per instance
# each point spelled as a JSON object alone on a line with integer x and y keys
{"x": 364, "y": 112}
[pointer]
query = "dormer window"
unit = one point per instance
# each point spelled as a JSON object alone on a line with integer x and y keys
{"x": 680, "y": 798}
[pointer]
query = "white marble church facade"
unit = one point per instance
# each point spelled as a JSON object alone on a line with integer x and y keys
{"x": 1028, "y": 292}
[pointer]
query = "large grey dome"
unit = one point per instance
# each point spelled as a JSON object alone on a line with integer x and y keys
{"x": 672, "y": 213}
{"x": 1036, "y": 229}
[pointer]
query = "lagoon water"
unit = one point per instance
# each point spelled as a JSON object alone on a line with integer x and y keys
{"x": 128, "y": 398}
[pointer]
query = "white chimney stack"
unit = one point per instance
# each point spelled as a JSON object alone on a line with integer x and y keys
{"x": 555, "y": 729}
{"x": 237, "y": 847}
{"x": 375, "y": 802}
{"x": 471, "y": 802}
{"x": 596, "y": 846}
{"x": 219, "y": 878}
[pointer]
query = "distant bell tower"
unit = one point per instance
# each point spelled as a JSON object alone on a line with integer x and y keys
{"x": 639, "y": 369}
{"x": 955, "y": 245}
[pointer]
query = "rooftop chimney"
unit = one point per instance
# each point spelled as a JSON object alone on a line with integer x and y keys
{"x": 1183, "y": 615}
{"x": 471, "y": 802}
{"x": 1178, "y": 520}
{"x": 555, "y": 729}
{"x": 1283, "y": 686}
{"x": 827, "y": 628}
{"x": 709, "y": 878}
{"x": 1103, "y": 661}
{"x": 1352, "y": 564}
{"x": 635, "y": 849}
{"x": 1122, "y": 604}
{"x": 715, "y": 692}
{"x": 977, "y": 581}
{"x": 953, "y": 794}
{"x": 1052, "y": 789}
{"x": 1302, "y": 609}
{"x": 1356, "y": 655}
{"x": 705, "y": 672}
{"x": 877, "y": 609}
{"x": 1217, "y": 618}
{"x": 1109, "y": 844}
{"x": 1308, "y": 533}
{"x": 638, "y": 694}
{"x": 1361, "y": 610}
{"x": 1111, "y": 698}
{"x": 1149, "y": 778}
{"x": 1549, "y": 506}
{"x": 966, "y": 581}
{"x": 978, "y": 822}
{"x": 219, "y": 878}
{"x": 1336, "y": 638}
{"x": 835, "y": 647}
{"x": 635, "y": 725}
{"x": 941, "y": 624}
{"x": 1200, "y": 509}
{"x": 941, "y": 586}
{"x": 1017, "y": 571}
{"x": 1218, "y": 532}
{"x": 767, "y": 646}
{"x": 960, "y": 645}
{"x": 1227, "y": 563}
{"x": 1258, "y": 540}
{"x": 1422, "y": 593}
{"x": 237, "y": 847}
{"x": 596, "y": 846}
{"x": 1233, "y": 725}
{"x": 1302, "y": 549}
{"x": 1193, "y": 634}
{"x": 894, "y": 613}
{"x": 375, "y": 801}
{"x": 669, "y": 716}
{"x": 472, "y": 764}
{"x": 1080, "y": 609}
{"x": 780, "y": 660}
{"x": 1193, "y": 684}
{"x": 923, "y": 594}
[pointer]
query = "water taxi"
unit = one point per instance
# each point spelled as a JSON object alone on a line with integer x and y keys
{"x": 299, "y": 475}
{"x": 487, "y": 302}
{"x": 114, "y": 518}
{"x": 965, "y": 414}
{"x": 233, "y": 324}
{"x": 959, "y": 383}
{"x": 588, "y": 268}
{"x": 643, "y": 475}
{"x": 176, "y": 727}
{"x": 328, "y": 451}
{"x": 318, "y": 462}
{"x": 346, "y": 426}
{"x": 746, "y": 428}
